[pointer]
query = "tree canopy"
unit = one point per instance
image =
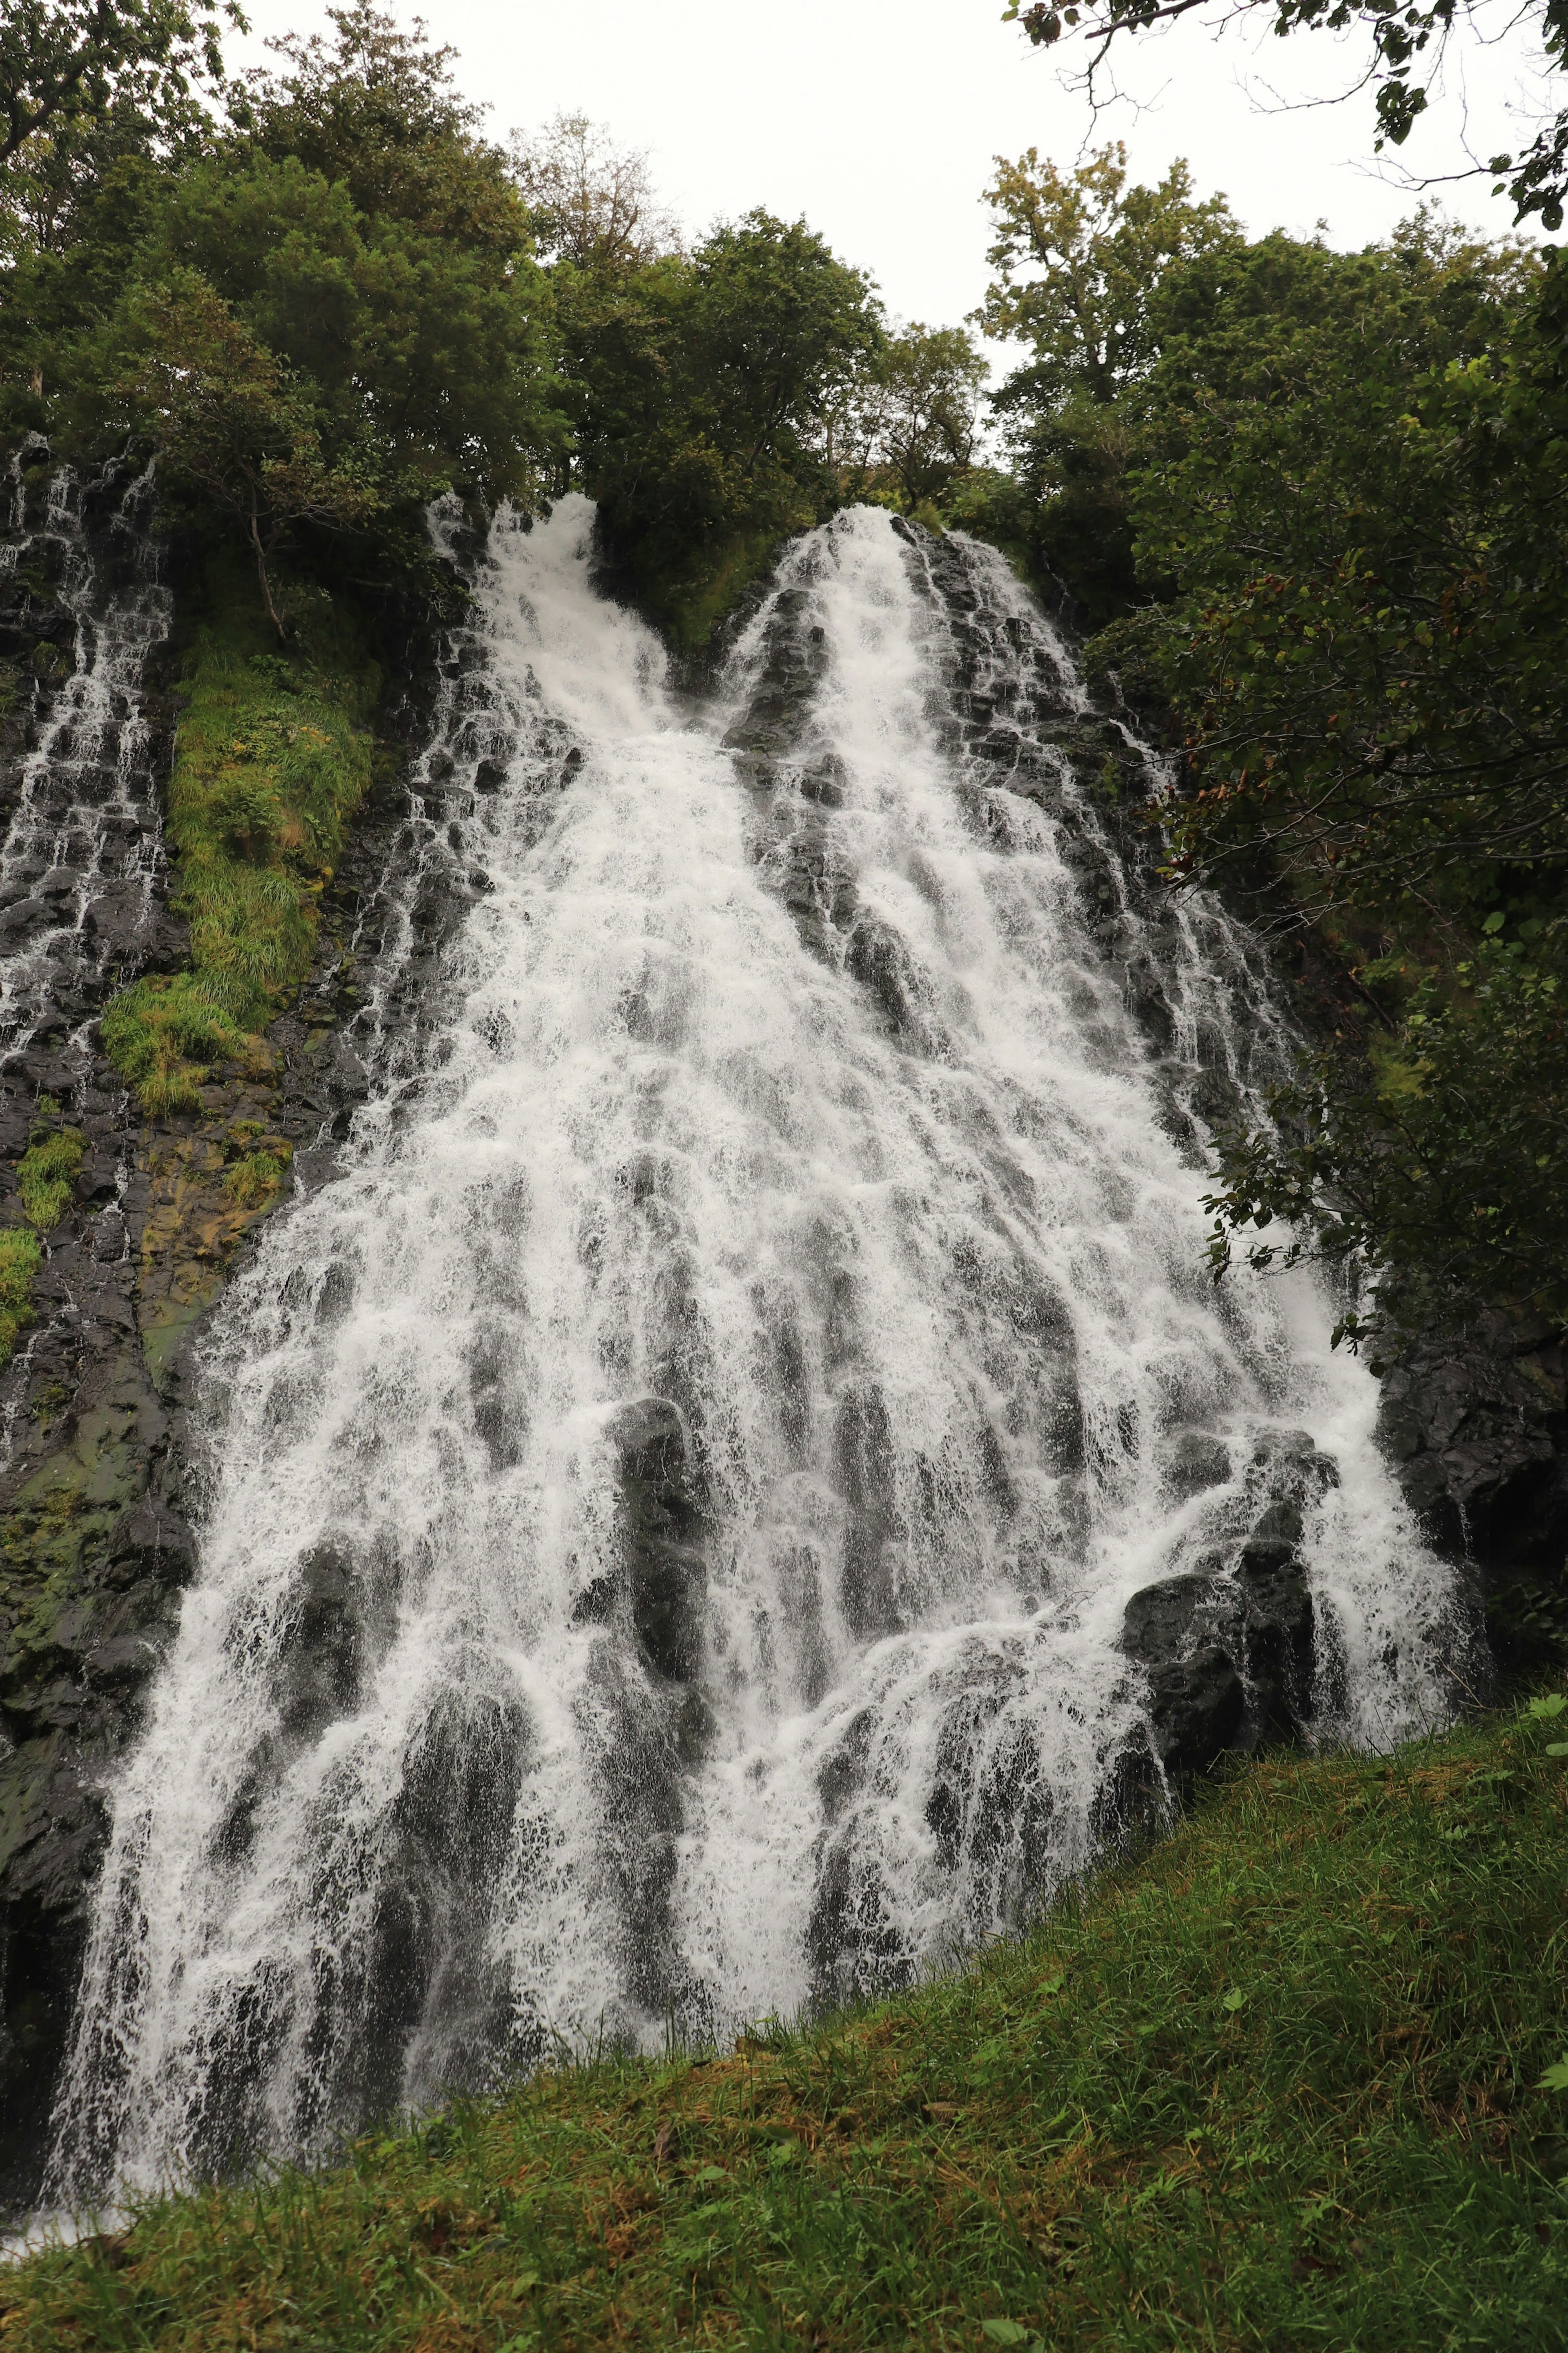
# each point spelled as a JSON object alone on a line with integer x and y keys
{"x": 1079, "y": 257}
{"x": 67, "y": 62}
{"x": 702, "y": 389}
{"x": 1341, "y": 482}
{"x": 1403, "y": 45}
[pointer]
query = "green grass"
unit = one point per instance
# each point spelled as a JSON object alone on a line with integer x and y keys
{"x": 1275, "y": 2084}
{"x": 47, "y": 1171}
{"x": 20, "y": 1257}
{"x": 273, "y": 756}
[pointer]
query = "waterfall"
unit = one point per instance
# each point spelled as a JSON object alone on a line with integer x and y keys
{"x": 83, "y": 846}
{"x": 675, "y": 1491}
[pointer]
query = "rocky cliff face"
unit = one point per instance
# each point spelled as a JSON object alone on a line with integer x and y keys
{"x": 96, "y": 1480}
{"x": 1476, "y": 1424}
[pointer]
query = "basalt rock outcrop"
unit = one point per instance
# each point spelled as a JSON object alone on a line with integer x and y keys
{"x": 1476, "y": 1424}
{"x": 1228, "y": 1646}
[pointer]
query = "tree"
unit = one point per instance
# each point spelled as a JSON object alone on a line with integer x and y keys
{"x": 1353, "y": 473}
{"x": 365, "y": 240}
{"x": 1404, "y": 44}
{"x": 432, "y": 334}
{"x": 1349, "y": 477}
{"x": 367, "y": 232}
{"x": 1079, "y": 257}
{"x": 909, "y": 423}
{"x": 1435, "y": 1172}
{"x": 702, "y": 389}
{"x": 64, "y": 62}
{"x": 229, "y": 421}
{"x": 591, "y": 203}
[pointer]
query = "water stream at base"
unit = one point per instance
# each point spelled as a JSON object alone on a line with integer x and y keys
{"x": 674, "y": 1490}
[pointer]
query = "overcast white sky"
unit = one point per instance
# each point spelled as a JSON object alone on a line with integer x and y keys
{"x": 878, "y": 118}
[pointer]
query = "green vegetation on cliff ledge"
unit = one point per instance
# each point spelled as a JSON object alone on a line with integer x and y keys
{"x": 1292, "y": 2080}
{"x": 273, "y": 756}
{"x": 19, "y": 1258}
{"x": 47, "y": 1171}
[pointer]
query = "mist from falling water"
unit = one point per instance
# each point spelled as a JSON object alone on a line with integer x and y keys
{"x": 794, "y": 1090}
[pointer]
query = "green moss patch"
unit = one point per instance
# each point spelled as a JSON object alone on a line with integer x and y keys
{"x": 48, "y": 1172}
{"x": 1293, "y": 2080}
{"x": 20, "y": 1254}
{"x": 273, "y": 756}
{"x": 257, "y": 1164}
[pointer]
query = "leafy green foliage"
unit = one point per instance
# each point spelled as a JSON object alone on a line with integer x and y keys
{"x": 1287, "y": 2079}
{"x": 590, "y": 203}
{"x": 702, "y": 386}
{"x": 1349, "y": 474}
{"x": 228, "y": 422}
{"x": 908, "y": 424}
{"x": 1400, "y": 41}
{"x": 1352, "y": 468}
{"x": 320, "y": 316}
{"x": 1442, "y": 1162}
{"x": 1080, "y": 258}
{"x": 64, "y": 62}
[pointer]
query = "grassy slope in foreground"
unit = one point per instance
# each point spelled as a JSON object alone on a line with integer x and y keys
{"x": 1273, "y": 2084}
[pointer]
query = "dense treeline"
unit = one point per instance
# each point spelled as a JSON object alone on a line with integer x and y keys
{"x": 326, "y": 294}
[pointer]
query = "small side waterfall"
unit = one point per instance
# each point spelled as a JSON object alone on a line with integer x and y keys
{"x": 83, "y": 846}
{"x": 675, "y": 1494}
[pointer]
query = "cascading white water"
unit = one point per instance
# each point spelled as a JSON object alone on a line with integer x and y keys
{"x": 676, "y": 1491}
{"x": 82, "y": 848}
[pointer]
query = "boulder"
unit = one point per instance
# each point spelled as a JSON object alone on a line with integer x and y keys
{"x": 1228, "y": 1647}
{"x": 659, "y": 1583}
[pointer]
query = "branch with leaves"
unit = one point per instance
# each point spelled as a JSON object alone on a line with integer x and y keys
{"x": 1404, "y": 49}
{"x": 63, "y": 61}
{"x": 226, "y": 418}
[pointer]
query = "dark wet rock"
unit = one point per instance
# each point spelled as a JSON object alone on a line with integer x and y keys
{"x": 322, "y": 1650}
{"x": 852, "y": 1945}
{"x": 1228, "y": 1648}
{"x": 1476, "y": 1425}
{"x": 1279, "y": 1624}
{"x": 839, "y": 1776}
{"x": 95, "y": 1550}
{"x": 864, "y": 1464}
{"x": 794, "y": 658}
{"x": 1195, "y": 1461}
{"x": 658, "y": 1587}
{"x": 1165, "y": 1620}
{"x": 1197, "y": 1706}
{"x": 96, "y": 1545}
{"x": 882, "y": 964}
{"x": 639, "y": 1770}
